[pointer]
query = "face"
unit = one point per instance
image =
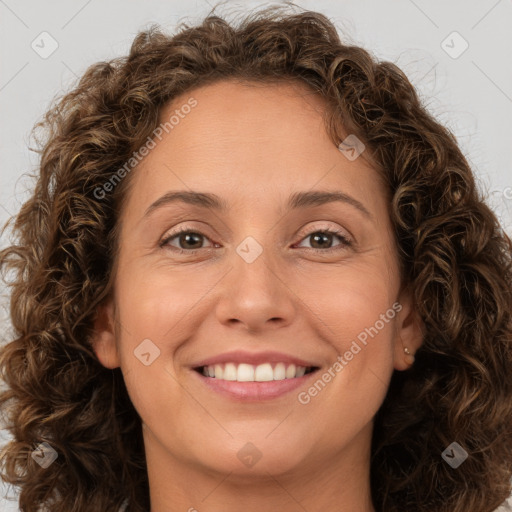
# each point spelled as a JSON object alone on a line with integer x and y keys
{"x": 272, "y": 282}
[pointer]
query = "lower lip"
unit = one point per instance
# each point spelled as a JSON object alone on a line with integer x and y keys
{"x": 254, "y": 391}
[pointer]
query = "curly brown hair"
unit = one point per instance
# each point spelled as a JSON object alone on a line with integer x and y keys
{"x": 453, "y": 254}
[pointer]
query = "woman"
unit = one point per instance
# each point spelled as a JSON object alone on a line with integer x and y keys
{"x": 338, "y": 334}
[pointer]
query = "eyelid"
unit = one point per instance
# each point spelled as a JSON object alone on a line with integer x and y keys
{"x": 330, "y": 227}
{"x": 333, "y": 229}
{"x": 169, "y": 235}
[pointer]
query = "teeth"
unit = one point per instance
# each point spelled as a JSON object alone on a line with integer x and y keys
{"x": 279, "y": 371}
{"x": 251, "y": 373}
{"x": 300, "y": 371}
{"x": 263, "y": 373}
{"x": 290, "y": 371}
{"x": 245, "y": 373}
{"x": 230, "y": 371}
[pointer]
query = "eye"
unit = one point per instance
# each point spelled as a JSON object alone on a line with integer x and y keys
{"x": 323, "y": 237}
{"x": 191, "y": 241}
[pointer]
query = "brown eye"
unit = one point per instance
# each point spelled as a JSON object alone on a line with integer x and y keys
{"x": 322, "y": 240}
{"x": 188, "y": 241}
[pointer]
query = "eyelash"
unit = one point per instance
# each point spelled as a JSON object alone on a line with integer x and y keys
{"x": 345, "y": 242}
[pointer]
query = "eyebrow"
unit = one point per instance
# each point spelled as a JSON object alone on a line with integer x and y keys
{"x": 295, "y": 201}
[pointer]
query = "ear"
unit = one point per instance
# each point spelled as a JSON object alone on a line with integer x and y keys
{"x": 104, "y": 336}
{"x": 409, "y": 331}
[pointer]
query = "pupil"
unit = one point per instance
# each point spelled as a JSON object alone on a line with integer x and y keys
{"x": 318, "y": 236}
{"x": 186, "y": 238}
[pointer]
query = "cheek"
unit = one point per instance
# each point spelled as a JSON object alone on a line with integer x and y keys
{"x": 353, "y": 387}
{"x": 354, "y": 311}
{"x": 152, "y": 309}
{"x": 350, "y": 298}
{"x": 165, "y": 308}
{"x": 155, "y": 303}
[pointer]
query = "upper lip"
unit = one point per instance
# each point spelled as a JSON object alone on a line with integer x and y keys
{"x": 254, "y": 358}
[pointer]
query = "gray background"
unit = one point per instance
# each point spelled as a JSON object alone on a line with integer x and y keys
{"x": 469, "y": 91}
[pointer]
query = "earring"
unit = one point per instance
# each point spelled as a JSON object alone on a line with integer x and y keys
{"x": 408, "y": 356}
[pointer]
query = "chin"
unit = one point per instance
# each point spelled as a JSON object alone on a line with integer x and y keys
{"x": 256, "y": 456}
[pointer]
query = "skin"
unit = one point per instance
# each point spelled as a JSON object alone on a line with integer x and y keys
{"x": 253, "y": 146}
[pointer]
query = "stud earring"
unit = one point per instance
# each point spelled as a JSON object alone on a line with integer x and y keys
{"x": 408, "y": 356}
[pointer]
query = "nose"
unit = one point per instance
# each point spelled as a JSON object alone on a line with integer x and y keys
{"x": 255, "y": 295}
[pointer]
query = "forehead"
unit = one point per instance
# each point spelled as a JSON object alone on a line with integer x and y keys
{"x": 255, "y": 142}
{"x": 240, "y": 116}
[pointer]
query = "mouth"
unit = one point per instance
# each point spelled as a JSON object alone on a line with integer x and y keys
{"x": 265, "y": 372}
{"x": 244, "y": 382}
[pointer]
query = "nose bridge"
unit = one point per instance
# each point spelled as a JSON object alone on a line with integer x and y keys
{"x": 255, "y": 238}
{"x": 255, "y": 267}
{"x": 255, "y": 292}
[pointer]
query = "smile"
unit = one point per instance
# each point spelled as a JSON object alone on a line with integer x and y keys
{"x": 264, "y": 372}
